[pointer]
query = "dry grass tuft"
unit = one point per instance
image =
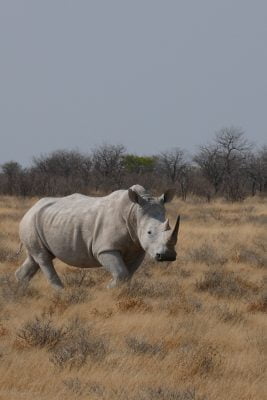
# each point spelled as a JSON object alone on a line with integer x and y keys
{"x": 260, "y": 304}
{"x": 228, "y": 315}
{"x": 78, "y": 388}
{"x": 148, "y": 289}
{"x": 13, "y": 291}
{"x": 131, "y": 303}
{"x": 250, "y": 257}
{"x": 206, "y": 254}
{"x": 61, "y": 301}
{"x": 76, "y": 345}
{"x": 202, "y": 359}
{"x": 162, "y": 393}
{"x": 39, "y": 332}
{"x": 182, "y": 303}
{"x": 142, "y": 346}
{"x": 223, "y": 283}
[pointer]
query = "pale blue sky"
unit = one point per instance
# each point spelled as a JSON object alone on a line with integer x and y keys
{"x": 148, "y": 74}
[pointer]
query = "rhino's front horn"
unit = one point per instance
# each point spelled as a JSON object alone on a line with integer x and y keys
{"x": 174, "y": 234}
{"x": 166, "y": 225}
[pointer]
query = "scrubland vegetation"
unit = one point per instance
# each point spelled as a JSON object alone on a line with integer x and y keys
{"x": 229, "y": 166}
{"x": 194, "y": 329}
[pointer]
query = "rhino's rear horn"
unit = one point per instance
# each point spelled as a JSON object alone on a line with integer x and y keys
{"x": 166, "y": 225}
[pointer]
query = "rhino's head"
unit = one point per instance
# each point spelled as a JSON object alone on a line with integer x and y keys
{"x": 153, "y": 230}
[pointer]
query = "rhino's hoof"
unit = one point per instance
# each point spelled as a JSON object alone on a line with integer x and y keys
{"x": 58, "y": 286}
{"x": 19, "y": 276}
{"x": 112, "y": 284}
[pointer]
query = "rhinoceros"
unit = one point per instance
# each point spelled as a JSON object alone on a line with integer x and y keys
{"x": 114, "y": 231}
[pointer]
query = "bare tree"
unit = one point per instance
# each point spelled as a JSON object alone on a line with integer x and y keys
{"x": 108, "y": 165}
{"x": 173, "y": 165}
{"x": 62, "y": 172}
{"x": 233, "y": 148}
{"x": 12, "y": 172}
{"x": 256, "y": 169}
{"x": 210, "y": 162}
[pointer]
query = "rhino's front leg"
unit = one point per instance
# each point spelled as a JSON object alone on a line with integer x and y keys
{"x": 113, "y": 262}
{"x": 134, "y": 264}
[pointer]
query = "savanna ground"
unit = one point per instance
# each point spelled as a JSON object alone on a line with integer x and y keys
{"x": 194, "y": 329}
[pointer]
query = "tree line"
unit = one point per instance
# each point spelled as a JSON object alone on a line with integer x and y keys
{"x": 228, "y": 166}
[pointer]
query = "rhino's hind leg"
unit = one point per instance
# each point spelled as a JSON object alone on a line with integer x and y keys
{"x": 113, "y": 262}
{"x": 27, "y": 270}
{"x": 49, "y": 271}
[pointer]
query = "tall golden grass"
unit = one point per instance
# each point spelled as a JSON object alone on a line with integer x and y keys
{"x": 192, "y": 329}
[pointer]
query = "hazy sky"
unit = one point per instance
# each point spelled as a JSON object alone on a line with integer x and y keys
{"x": 150, "y": 74}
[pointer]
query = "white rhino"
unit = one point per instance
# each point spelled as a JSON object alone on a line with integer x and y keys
{"x": 114, "y": 231}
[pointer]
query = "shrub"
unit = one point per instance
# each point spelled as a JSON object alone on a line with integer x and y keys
{"x": 4, "y": 254}
{"x": 225, "y": 284}
{"x": 225, "y": 314}
{"x": 163, "y": 393}
{"x": 76, "y": 346}
{"x": 39, "y": 332}
{"x": 206, "y": 254}
{"x": 11, "y": 290}
{"x": 75, "y": 386}
{"x": 250, "y": 257}
{"x": 182, "y": 303}
{"x": 260, "y": 304}
{"x": 60, "y": 301}
{"x": 141, "y": 346}
{"x": 145, "y": 288}
{"x": 199, "y": 359}
{"x": 131, "y": 303}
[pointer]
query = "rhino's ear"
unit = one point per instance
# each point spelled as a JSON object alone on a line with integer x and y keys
{"x": 135, "y": 197}
{"x": 167, "y": 196}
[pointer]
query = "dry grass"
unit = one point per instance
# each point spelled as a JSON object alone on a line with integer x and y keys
{"x": 190, "y": 330}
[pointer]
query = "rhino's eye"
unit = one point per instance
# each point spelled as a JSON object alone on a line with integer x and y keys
{"x": 149, "y": 232}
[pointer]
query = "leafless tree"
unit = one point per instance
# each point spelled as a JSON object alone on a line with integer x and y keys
{"x": 12, "y": 172}
{"x": 174, "y": 166}
{"x": 171, "y": 163}
{"x": 62, "y": 172}
{"x": 233, "y": 148}
{"x": 210, "y": 162}
{"x": 107, "y": 161}
{"x": 228, "y": 166}
{"x": 256, "y": 169}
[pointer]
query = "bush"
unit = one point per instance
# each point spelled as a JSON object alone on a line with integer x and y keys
{"x": 60, "y": 301}
{"x": 11, "y": 290}
{"x": 145, "y": 288}
{"x": 225, "y": 314}
{"x": 199, "y": 359}
{"x": 206, "y": 254}
{"x": 141, "y": 346}
{"x": 76, "y": 346}
{"x": 250, "y": 257}
{"x": 39, "y": 332}
{"x": 131, "y": 303}
{"x": 260, "y": 304}
{"x": 225, "y": 284}
{"x": 163, "y": 393}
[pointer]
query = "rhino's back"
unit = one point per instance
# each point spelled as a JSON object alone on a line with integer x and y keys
{"x": 72, "y": 228}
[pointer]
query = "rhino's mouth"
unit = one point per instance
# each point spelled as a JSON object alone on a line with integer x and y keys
{"x": 163, "y": 257}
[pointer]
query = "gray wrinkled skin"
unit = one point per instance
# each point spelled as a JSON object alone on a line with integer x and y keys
{"x": 114, "y": 231}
